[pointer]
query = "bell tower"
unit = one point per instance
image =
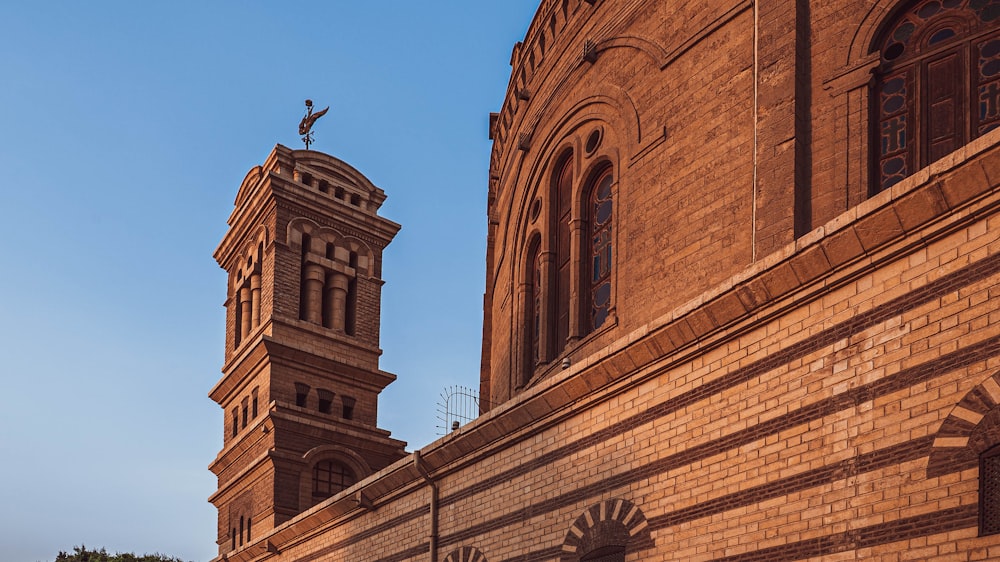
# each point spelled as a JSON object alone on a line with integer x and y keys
{"x": 300, "y": 382}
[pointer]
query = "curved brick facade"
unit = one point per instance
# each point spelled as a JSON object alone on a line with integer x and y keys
{"x": 790, "y": 363}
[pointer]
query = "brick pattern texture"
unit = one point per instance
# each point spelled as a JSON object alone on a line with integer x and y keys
{"x": 791, "y": 369}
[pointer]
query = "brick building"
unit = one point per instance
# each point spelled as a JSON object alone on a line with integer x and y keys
{"x": 743, "y": 281}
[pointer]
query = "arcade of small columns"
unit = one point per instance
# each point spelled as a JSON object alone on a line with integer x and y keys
{"x": 248, "y": 295}
{"x": 330, "y": 266}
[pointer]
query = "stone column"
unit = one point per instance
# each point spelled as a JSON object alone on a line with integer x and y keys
{"x": 313, "y": 295}
{"x": 336, "y": 300}
{"x": 245, "y": 307}
{"x": 255, "y": 299}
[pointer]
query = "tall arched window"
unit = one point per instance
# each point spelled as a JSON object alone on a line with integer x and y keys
{"x": 938, "y": 85}
{"x": 597, "y": 274}
{"x": 562, "y": 205}
{"x": 533, "y": 314}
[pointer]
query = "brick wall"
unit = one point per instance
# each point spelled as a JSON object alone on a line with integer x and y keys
{"x": 791, "y": 369}
{"x": 805, "y": 426}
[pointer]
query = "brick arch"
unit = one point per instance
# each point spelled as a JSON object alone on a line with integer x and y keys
{"x": 347, "y": 456}
{"x": 862, "y": 43}
{"x": 599, "y": 110}
{"x": 250, "y": 181}
{"x": 466, "y": 554}
{"x": 610, "y": 106}
{"x": 250, "y": 257}
{"x": 615, "y": 522}
{"x": 299, "y": 226}
{"x": 972, "y": 427}
{"x": 365, "y": 254}
{"x": 333, "y": 168}
{"x": 343, "y": 455}
{"x": 654, "y": 51}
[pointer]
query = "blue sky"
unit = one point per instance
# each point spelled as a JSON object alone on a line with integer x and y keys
{"x": 125, "y": 130}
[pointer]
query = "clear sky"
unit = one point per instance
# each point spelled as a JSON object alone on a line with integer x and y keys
{"x": 125, "y": 130}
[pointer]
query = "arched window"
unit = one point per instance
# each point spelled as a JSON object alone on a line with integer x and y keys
{"x": 597, "y": 274}
{"x": 562, "y": 205}
{"x": 330, "y": 478}
{"x": 937, "y": 87}
{"x": 533, "y": 314}
{"x": 605, "y": 532}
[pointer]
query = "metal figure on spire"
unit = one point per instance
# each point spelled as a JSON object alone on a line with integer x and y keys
{"x": 305, "y": 126}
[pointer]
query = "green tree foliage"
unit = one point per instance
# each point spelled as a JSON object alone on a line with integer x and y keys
{"x": 82, "y": 554}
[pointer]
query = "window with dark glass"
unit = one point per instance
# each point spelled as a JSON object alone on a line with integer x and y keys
{"x": 254, "y": 404}
{"x": 563, "y": 203}
{"x": 598, "y": 273}
{"x": 236, "y": 421}
{"x": 246, "y": 411}
{"x": 937, "y": 87}
{"x": 989, "y": 492}
{"x": 331, "y": 477}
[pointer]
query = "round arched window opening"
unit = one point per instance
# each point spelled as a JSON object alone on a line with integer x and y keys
{"x": 598, "y": 267}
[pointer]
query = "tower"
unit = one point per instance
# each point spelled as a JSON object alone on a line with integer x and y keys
{"x": 300, "y": 382}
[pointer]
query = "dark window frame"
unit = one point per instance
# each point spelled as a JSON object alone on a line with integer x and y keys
{"x": 598, "y": 250}
{"x": 903, "y": 119}
{"x": 330, "y": 477}
{"x": 989, "y": 492}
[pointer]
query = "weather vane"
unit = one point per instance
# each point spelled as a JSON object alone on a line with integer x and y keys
{"x": 305, "y": 126}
